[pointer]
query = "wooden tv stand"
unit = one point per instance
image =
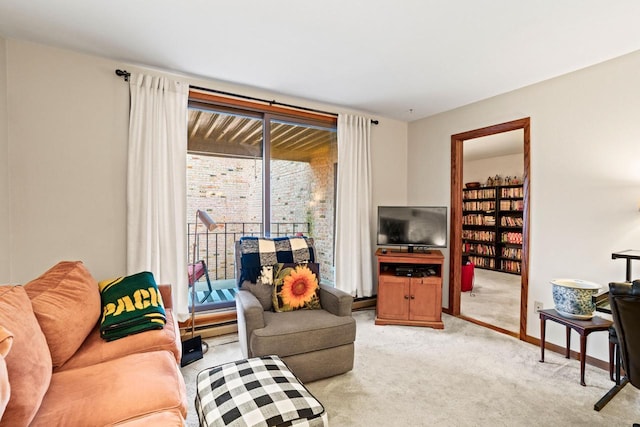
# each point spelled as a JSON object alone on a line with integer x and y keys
{"x": 414, "y": 299}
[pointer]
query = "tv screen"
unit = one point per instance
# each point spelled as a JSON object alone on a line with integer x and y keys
{"x": 412, "y": 226}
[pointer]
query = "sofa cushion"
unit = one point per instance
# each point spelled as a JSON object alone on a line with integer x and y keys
{"x": 66, "y": 301}
{"x": 301, "y": 331}
{"x": 28, "y": 362}
{"x": 6, "y": 339}
{"x": 167, "y": 418}
{"x": 295, "y": 286}
{"x": 96, "y": 350}
{"x": 113, "y": 392}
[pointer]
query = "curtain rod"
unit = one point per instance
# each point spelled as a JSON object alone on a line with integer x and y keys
{"x": 266, "y": 101}
{"x": 125, "y": 74}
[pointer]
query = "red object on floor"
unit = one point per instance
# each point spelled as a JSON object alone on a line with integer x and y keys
{"x": 467, "y": 277}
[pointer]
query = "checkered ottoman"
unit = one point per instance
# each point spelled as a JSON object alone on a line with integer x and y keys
{"x": 256, "y": 392}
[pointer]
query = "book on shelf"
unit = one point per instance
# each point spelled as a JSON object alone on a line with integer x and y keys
{"x": 512, "y": 253}
{"x": 482, "y": 262}
{"x": 511, "y": 221}
{"x": 478, "y": 219}
{"x": 481, "y": 193}
{"x": 480, "y": 235}
{"x": 479, "y": 249}
{"x": 512, "y": 192}
{"x": 511, "y": 237}
{"x": 511, "y": 266}
{"x": 511, "y": 205}
{"x": 486, "y": 205}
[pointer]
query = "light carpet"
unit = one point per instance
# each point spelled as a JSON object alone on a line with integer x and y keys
{"x": 495, "y": 299}
{"x": 463, "y": 375}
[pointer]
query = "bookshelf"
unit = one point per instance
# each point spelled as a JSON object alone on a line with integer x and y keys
{"x": 492, "y": 227}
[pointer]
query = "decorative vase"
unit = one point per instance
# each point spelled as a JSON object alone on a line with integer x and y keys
{"x": 573, "y": 298}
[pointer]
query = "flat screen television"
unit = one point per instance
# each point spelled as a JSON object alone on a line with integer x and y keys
{"x": 412, "y": 226}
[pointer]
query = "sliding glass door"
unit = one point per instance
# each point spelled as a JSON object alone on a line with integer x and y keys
{"x": 302, "y": 177}
{"x": 256, "y": 174}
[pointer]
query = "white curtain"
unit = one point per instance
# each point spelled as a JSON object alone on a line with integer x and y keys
{"x": 156, "y": 184}
{"x": 353, "y": 211}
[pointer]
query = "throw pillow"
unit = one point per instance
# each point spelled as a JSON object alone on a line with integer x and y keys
{"x": 66, "y": 302}
{"x": 296, "y": 286}
{"x": 130, "y": 305}
{"x": 29, "y": 361}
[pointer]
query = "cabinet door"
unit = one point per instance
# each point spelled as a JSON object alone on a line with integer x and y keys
{"x": 393, "y": 297}
{"x": 426, "y": 299}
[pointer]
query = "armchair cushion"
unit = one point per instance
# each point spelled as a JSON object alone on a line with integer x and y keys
{"x": 301, "y": 331}
{"x": 262, "y": 291}
{"x": 295, "y": 286}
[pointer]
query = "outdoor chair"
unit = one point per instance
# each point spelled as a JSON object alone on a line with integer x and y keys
{"x": 196, "y": 272}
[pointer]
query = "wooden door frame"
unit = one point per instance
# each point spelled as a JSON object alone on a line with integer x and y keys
{"x": 455, "y": 256}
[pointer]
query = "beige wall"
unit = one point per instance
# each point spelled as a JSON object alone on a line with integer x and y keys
{"x": 68, "y": 115}
{"x": 5, "y": 225}
{"x": 480, "y": 170}
{"x": 389, "y": 157}
{"x": 67, "y": 161}
{"x": 585, "y": 174}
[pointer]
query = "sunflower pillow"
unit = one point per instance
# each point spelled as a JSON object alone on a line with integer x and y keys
{"x": 295, "y": 286}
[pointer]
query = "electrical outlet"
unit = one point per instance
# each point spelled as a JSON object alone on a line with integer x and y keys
{"x": 537, "y": 306}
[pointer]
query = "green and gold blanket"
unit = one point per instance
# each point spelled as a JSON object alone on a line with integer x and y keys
{"x": 130, "y": 305}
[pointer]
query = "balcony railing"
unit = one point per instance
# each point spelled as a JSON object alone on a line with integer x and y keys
{"x": 217, "y": 247}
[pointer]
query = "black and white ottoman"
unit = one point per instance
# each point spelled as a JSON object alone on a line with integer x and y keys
{"x": 260, "y": 391}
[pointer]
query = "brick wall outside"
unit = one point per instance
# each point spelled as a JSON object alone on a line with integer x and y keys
{"x": 230, "y": 190}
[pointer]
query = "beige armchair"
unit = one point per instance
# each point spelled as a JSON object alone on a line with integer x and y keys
{"x": 314, "y": 344}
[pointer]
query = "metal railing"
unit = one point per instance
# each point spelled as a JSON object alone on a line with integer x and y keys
{"x": 217, "y": 247}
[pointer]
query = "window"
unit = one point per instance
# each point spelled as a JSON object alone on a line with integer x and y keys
{"x": 256, "y": 172}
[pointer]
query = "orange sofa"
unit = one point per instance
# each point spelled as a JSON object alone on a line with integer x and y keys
{"x": 56, "y": 370}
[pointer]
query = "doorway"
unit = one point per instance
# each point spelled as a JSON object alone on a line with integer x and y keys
{"x": 457, "y": 179}
{"x": 491, "y": 229}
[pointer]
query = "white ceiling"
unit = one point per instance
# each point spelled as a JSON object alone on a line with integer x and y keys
{"x": 405, "y": 59}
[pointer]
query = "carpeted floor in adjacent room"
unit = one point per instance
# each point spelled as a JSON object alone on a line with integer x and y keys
{"x": 464, "y": 375}
{"x": 494, "y": 299}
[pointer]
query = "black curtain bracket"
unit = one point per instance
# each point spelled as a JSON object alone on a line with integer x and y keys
{"x": 123, "y": 73}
